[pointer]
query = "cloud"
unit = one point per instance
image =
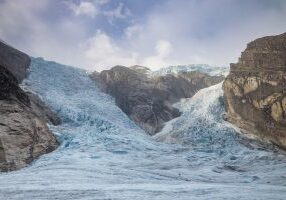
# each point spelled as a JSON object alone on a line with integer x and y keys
{"x": 132, "y": 31}
{"x": 83, "y": 8}
{"x": 15, "y": 18}
{"x": 120, "y": 12}
{"x": 26, "y": 27}
{"x": 97, "y": 34}
{"x": 103, "y": 53}
{"x": 101, "y": 2}
{"x": 163, "y": 50}
{"x": 204, "y": 31}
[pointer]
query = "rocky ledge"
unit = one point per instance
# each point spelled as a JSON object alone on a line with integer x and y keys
{"x": 24, "y": 134}
{"x": 147, "y": 99}
{"x": 255, "y": 90}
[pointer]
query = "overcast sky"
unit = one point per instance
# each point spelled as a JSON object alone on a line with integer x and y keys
{"x": 98, "y": 34}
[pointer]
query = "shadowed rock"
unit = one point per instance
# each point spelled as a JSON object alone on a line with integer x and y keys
{"x": 24, "y": 135}
{"x": 14, "y": 60}
{"x": 255, "y": 90}
{"x": 2, "y": 153}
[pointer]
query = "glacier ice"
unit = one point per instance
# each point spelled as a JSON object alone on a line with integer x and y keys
{"x": 104, "y": 155}
{"x": 205, "y": 68}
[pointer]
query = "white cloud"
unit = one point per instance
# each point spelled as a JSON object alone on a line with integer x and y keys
{"x": 101, "y": 2}
{"x": 120, "y": 12}
{"x": 133, "y": 31}
{"x": 163, "y": 48}
{"x": 160, "y": 59}
{"x": 200, "y": 33}
{"x": 84, "y": 8}
{"x": 172, "y": 32}
{"x": 23, "y": 27}
{"x": 103, "y": 53}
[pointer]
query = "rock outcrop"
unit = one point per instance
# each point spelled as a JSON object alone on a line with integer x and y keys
{"x": 147, "y": 99}
{"x": 14, "y": 60}
{"x": 24, "y": 134}
{"x": 255, "y": 90}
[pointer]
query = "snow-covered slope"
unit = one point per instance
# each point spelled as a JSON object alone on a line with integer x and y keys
{"x": 103, "y": 155}
{"x": 211, "y": 70}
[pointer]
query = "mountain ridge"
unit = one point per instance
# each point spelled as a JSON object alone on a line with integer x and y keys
{"x": 148, "y": 99}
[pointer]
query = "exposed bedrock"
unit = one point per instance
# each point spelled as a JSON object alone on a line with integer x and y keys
{"x": 24, "y": 134}
{"x": 14, "y": 60}
{"x": 255, "y": 90}
{"x": 147, "y": 99}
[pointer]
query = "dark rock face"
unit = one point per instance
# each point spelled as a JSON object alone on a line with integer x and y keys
{"x": 255, "y": 90}
{"x": 14, "y": 60}
{"x": 148, "y": 100}
{"x": 24, "y": 135}
{"x": 137, "y": 97}
{"x": 185, "y": 84}
{"x": 23, "y": 132}
{"x": 9, "y": 87}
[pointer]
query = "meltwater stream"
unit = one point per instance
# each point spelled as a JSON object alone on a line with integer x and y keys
{"x": 104, "y": 155}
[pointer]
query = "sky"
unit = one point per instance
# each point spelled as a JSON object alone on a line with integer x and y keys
{"x": 99, "y": 34}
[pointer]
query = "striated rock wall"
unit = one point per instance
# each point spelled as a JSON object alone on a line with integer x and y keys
{"x": 255, "y": 90}
{"x": 24, "y": 135}
{"x": 148, "y": 100}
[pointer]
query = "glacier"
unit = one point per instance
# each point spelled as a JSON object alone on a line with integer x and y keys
{"x": 204, "y": 68}
{"x": 104, "y": 155}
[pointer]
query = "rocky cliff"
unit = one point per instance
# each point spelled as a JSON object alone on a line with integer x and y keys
{"x": 255, "y": 90}
{"x": 24, "y": 134}
{"x": 147, "y": 99}
{"x": 14, "y": 60}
